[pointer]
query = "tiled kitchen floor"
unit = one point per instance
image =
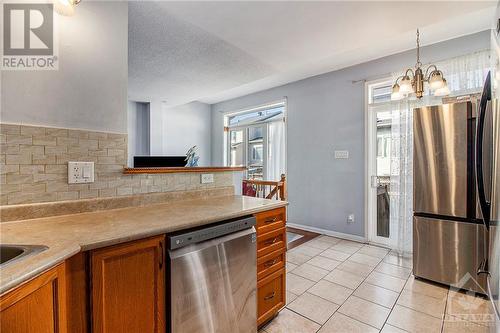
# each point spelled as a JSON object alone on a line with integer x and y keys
{"x": 336, "y": 285}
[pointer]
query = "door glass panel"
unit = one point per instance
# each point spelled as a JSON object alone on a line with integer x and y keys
{"x": 236, "y": 156}
{"x": 256, "y": 152}
{"x": 383, "y": 148}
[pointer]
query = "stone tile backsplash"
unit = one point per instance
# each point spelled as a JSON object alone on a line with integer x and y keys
{"x": 34, "y": 167}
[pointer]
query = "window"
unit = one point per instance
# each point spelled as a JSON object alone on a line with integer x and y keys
{"x": 380, "y": 92}
{"x": 256, "y": 140}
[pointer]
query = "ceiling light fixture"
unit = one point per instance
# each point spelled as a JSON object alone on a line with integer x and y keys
{"x": 65, "y": 7}
{"x": 413, "y": 80}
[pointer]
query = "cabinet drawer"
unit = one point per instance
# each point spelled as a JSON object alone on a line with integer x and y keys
{"x": 270, "y": 220}
{"x": 269, "y": 263}
{"x": 270, "y": 295}
{"x": 271, "y": 241}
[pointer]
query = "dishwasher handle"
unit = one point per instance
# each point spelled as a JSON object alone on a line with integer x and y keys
{"x": 173, "y": 254}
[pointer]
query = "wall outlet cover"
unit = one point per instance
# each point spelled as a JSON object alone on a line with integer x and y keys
{"x": 350, "y": 218}
{"x": 207, "y": 178}
{"x": 80, "y": 172}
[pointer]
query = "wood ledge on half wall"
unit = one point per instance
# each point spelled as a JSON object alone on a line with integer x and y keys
{"x": 181, "y": 169}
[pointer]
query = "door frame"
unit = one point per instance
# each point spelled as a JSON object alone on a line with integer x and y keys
{"x": 370, "y": 169}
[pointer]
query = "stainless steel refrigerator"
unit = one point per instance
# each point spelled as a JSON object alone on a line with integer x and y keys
{"x": 449, "y": 239}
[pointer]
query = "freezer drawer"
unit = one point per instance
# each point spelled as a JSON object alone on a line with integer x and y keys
{"x": 440, "y": 159}
{"x": 449, "y": 252}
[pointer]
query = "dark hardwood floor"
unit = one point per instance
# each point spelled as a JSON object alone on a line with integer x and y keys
{"x": 306, "y": 236}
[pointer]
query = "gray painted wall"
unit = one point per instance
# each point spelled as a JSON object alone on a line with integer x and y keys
{"x": 89, "y": 90}
{"x": 185, "y": 126}
{"x": 327, "y": 113}
{"x": 138, "y": 130}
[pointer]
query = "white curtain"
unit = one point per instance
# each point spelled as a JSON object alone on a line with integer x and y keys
{"x": 465, "y": 75}
{"x": 276, "y": 150}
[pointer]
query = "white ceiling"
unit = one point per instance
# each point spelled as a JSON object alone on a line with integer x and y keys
{"x": 212, "y": 51}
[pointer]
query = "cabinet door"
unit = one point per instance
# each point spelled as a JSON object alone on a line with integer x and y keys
{"x": 128, "y": 287}
{"x": 38, "y": 306}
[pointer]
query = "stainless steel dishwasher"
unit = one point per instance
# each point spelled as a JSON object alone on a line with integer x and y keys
{"x": 213, "y": 279}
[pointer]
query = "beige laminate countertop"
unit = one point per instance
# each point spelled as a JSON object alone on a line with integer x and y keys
{"x": 69, "y": 234}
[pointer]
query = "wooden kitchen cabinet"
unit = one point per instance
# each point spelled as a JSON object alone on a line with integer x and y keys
{"x": 37, "y": 306}
{"x": 128, "y": 287}
{"x": 271, "y": 261}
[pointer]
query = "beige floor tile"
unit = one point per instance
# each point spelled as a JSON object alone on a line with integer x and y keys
{"x": 374, "y": 251}
{"x": 365, "y": 311}
{"x": 306, "y": 250}
{"x": 465, "y": 305}
{"x": 297, "y": 258}
{"x": 330, "y": 291}
{"x": 328, "y": 239}
{"x": 346, "y": 248}
{"x": 352, "y": 243}
{"x": 393, "y": 270}
{"x": 313, "y": 307}
{"x": 290, "y": 266}
{"x": 365, "y": 259}
{"x": 356, "y": 268}
{"x": 386, "y": 281}
{"x": 289, "y": 322}
{"x": 377, "y": 295}
{"x": 339, "y": 323}
{"x": 426, "y": 304}
{"x": 324, "y": 262}
{"x": 413, "y": 321}
{"x": 334, "y": 254}
{"x": 297, "y": 284}
{"x": 290, "y": 297}
{"x": 310, "y": 272}
{"x": 391, "y": 329}
{"x": 398, "y": 260}
{"x": 319, "y": 244}
{"x": 345, "y": 279}
{"x": 455, "y": 324}
{"x": 426, "y": 288}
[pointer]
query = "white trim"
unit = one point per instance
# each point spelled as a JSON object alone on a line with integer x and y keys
{"x": 350, "y": 237}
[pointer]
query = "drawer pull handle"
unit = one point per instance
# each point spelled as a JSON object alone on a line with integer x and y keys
{"x": 270, "y": 263}
{"x": 274, "y": 219}
{"x": 272, "y": 241}
{"x": 270, "y": 296}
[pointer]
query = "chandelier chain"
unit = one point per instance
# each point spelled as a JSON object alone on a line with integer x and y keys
{"x": 418, "y": 64}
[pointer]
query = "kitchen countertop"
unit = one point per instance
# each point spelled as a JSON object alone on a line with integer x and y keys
{"x": 67, "y": 235}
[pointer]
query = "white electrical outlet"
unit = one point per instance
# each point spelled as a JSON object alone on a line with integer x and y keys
{"x": 350, "y": 218}
{"x": 207, "y": 178}
{"x": 80, "y": 172}
{"x": 341, "y": 154}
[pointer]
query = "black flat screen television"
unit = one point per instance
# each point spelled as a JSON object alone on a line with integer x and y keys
{"x": 159, "y": 161}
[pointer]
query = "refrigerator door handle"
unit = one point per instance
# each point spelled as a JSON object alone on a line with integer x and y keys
{"x": 484, "y": 204}
{"x": 483, "y": 268}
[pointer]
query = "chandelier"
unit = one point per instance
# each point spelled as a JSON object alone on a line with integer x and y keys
{"x": 413, "y": 80}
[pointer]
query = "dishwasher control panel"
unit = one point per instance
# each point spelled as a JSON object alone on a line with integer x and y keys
{"x": 196, "y": 236}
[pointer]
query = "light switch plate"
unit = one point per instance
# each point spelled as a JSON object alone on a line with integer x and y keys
{"x": 207, "y": 178}
{"x": 80, "y": 172}
{"x": 341, "y": 154}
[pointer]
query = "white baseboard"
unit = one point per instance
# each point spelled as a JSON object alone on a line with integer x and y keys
{"x": 328, "y": 232}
